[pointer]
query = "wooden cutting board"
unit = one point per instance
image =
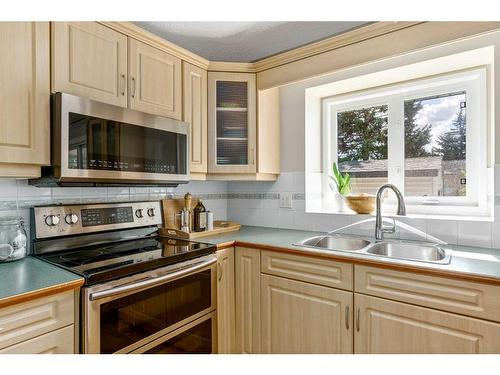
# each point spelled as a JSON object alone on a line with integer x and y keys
{"x": 171, "y": 209}
{"x": 220, "y": 227}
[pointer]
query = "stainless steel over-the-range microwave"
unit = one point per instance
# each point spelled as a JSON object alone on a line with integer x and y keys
{"x": 94, "y": 143}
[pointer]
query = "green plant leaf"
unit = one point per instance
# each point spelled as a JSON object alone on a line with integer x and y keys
{"x": 342, "y": 182}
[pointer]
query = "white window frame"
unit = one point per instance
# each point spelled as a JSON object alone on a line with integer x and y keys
{"x": 473, "y": 82}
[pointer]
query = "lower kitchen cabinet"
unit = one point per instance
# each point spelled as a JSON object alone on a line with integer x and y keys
{"x": 225, "y": 301}
{"x": 56, "y": 342}
{"x": 289, "y": 303}
{"x": 42, "y": 325}
{"x": 247, "y": 288}
{"x": 299, "y": 317}
{"x": 384, "y": 326}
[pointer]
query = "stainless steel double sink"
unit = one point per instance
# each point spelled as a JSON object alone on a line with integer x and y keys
{"x": 404, "y": 250}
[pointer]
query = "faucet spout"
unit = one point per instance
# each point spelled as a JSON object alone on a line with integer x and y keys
{"x": 379, "y": 226}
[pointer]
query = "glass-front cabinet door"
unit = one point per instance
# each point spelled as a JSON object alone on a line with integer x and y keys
{"x": 231, "y": 122}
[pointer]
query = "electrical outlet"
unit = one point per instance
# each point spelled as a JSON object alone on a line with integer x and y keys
{"x": 285, "y": 200}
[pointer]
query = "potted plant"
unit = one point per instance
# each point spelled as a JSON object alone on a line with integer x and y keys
{"x": 359, "y": 203}
{"x": 341, "y": 186}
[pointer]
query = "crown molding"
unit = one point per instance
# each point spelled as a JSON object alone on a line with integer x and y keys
{"x": 222, "y": 66}
{"x": 354, "y": 36}
{"x": 138, "y": 33}
{"x": 341, "y": 40}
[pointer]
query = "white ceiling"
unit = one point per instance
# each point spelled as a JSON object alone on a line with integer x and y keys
{"x": 244, "y": 41}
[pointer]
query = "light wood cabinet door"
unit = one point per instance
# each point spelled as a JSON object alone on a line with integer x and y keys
{"x": 57, "y": 342}
{"x": 89, "y": 60}
{"x": 232, "y": 124}
{"x": 298, "y": 317}
{"x": 247, "y": 273}
{"x": 27, "y": 320}
{"x": 155, "y": 80}
{"x": 225, "y": 301}
{"x": 393, "y": 327}
{"x": 24, "y": 98}
{"x": 195, "y": 113}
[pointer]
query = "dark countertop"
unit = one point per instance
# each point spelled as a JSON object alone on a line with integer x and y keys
{"x": 31, "y": 278}
{"x": 475, "y": 263}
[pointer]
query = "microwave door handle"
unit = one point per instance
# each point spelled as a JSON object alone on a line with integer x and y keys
{"x": 152, "y": 281}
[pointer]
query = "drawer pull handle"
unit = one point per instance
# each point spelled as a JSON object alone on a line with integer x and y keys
{"x": 133, "y": 87}
{"x": 347, "y": 317}
{"x": 123, "y": 84}
{"x": 357, "y": 319}
{"x": 219, "y": 269}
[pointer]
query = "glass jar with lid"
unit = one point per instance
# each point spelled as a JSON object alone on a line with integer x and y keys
{"x": 13, "y": 239}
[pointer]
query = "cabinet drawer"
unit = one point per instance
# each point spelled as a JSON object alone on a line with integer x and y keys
{"x": 26, "y": 320}
{"x": 467, "y": 298}
{"x": 303, "y": 268}
{"x": 57, "y": 342}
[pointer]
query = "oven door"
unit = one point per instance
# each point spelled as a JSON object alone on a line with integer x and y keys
{"x": 129, "y": 313}
{"x": 197, "y": 337}
{"x": 102, "y": 143}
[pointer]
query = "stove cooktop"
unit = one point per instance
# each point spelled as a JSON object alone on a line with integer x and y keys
{"x": 105, "y": 262}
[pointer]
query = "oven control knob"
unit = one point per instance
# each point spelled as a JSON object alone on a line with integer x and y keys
{"x": 71, "y": 219}
{"x": 151, "y": 212}
{"x": 138, "y": 213}
{"x": 52, "y": 220}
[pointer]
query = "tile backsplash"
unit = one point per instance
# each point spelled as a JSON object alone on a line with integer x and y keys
{"x": 17, "y": 196}
{"x": 258, "y": 204}
{"x": 250, "y": 203}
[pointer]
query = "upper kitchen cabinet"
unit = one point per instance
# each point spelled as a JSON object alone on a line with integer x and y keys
{"x": 24, "y": 98}
{"x": 232, "y": 124}
{"x": 89, "y": 60}
{"x": 195, "y": 113}
{"x": 243, "y": 142}
{"x": 155, "y": 80}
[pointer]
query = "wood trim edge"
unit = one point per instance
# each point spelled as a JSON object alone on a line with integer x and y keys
{"x": 337, "y": 41}
{"x": 39, "y": 293}
{"x": 367, "y": 262}
{"x": 237, "y": 67}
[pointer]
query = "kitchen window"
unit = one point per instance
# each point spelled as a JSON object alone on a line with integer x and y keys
{"x": 428, "y": 137}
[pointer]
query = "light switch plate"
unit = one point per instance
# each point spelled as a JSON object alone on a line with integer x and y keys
{"x": 285, "y": 200}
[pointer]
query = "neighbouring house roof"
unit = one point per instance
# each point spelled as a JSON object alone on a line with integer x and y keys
{"x": 430, "y": 166}
{"x": 411, "y": 164}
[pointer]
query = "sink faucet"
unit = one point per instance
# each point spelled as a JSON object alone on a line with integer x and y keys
{"x": 379, "y": 226}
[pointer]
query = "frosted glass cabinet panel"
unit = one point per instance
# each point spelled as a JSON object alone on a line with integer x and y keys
{"x": 231, "y": 122}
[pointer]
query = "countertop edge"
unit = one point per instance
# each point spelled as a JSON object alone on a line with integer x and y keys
{"x": 368, "y": 262}
{"x": 39, "y": 293}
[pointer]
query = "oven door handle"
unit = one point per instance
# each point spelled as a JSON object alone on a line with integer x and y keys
{"x": 152, "y": 281}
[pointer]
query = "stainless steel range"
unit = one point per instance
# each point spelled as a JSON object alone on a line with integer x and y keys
{"x": 143, "y": 293}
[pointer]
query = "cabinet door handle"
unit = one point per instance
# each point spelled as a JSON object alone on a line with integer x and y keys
{"x": 347, "y": 317}
{"x": 357, "y": 319}
{"x": 219, "y": 270}
{"x": 123, "y": 84}
{"x": 133, "y": 87}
